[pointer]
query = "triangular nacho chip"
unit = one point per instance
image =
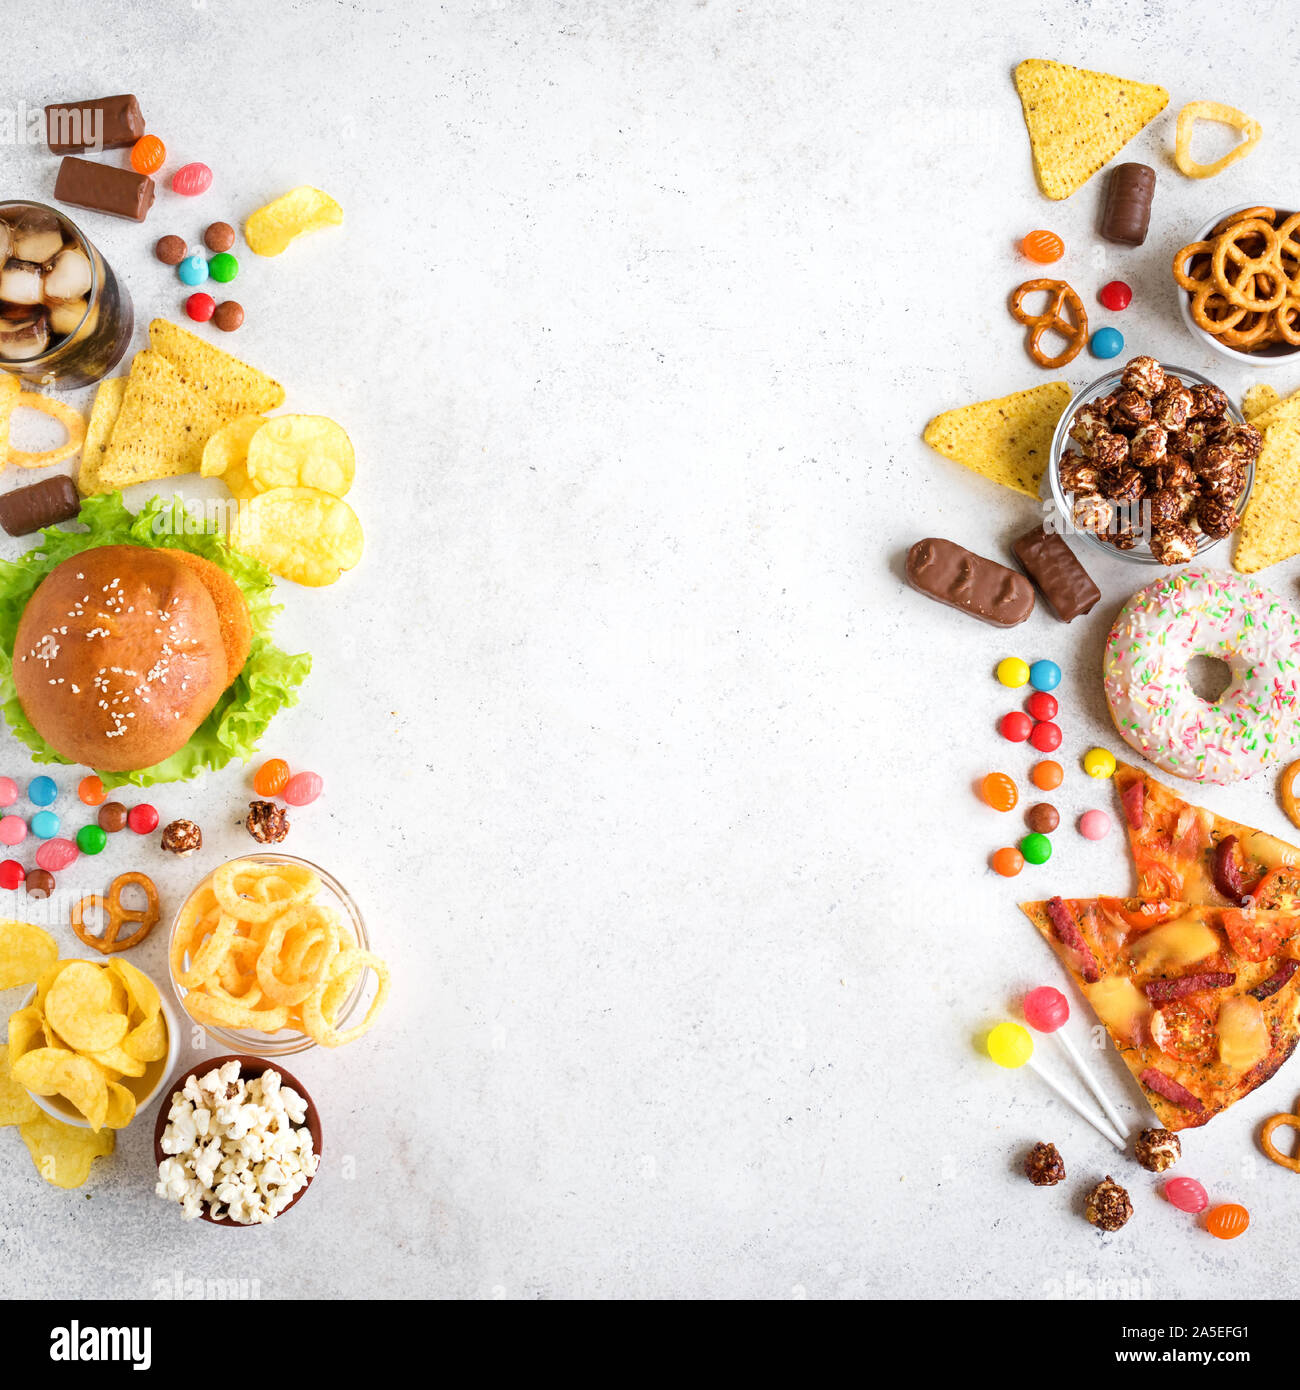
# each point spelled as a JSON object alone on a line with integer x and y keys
{"x": 160, "y": 430}
{"x": 1270, "y": 526}
{"x": 1276, "y": 410}
{"x": 230, "y": 387}
{"x": 103, "y": 416}
{"x": 1079, "y": 120}
{"x": 1258, "y": 399}
{"x": 1008, "y": 440}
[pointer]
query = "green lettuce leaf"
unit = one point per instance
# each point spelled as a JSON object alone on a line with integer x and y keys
{"x": 268, "y": 683}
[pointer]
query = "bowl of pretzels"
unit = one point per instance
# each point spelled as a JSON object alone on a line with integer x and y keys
{"x": 1240, "y": 284}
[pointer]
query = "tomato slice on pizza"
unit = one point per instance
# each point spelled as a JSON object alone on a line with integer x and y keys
{"x": 1202, "y": 1001}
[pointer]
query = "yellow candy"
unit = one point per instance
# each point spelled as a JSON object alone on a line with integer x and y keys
{"x": 1010, "y": 1045}
{"x": 1099, "y": 763}
{"x": 1013, "y": 672}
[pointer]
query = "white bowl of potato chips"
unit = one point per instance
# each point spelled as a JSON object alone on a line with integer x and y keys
{"x": 270, "y": 955}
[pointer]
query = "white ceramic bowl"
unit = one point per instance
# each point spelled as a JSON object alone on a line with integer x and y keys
{"x": 1276, "y": 354}
{"x": 146, "y": 1088}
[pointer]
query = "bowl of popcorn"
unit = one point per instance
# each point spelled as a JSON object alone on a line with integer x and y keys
{"x": 1153, "y": 463}
{"x": 239, "y": 1143}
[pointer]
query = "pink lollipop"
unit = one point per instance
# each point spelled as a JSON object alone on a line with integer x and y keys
{"x": 1046, "y": 1009}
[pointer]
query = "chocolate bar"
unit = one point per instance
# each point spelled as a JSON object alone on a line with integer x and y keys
{"x": 949, "y": 574}
{"x": 1053, "y": 566}
{"x": 1126, "y": 211}
{"x": 108, "y": 123}
{"x": 103, "y": 188}
{"x": 46, "y": 503}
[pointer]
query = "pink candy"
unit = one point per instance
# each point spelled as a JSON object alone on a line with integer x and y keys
{"x": 302, "y": 788}
{"x": 13, "y": 830}
{"x": 56, "y": 854}
{"x": 1186, "y": 1194}
{"x": 1046, "y": 1009}
{"x": 1094, "y": 825}
{"x": 8, "y": 791}
{"x": 191, "y": 180}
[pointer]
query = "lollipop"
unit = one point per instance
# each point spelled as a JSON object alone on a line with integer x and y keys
{"x": 1011, "y": 1047}
{"x": 1046, "y": 1011}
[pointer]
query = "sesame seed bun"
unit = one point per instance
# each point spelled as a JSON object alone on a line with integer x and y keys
{"x": 123, "y": 651}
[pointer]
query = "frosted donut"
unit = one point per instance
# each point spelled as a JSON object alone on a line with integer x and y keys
{"x": 1205, "y": 612}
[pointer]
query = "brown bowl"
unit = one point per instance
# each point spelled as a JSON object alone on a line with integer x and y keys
{"x": 249, "y": 1068}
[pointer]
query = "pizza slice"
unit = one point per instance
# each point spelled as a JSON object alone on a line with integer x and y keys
{"x": 1187, "y": 853}
{"x": 1202, "y": 1003}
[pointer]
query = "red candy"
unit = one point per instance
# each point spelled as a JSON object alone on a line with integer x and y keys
{"x": 200, "y": 307}
{"x": 192, "y": 180}
{"x": 56, "y": 854}
{"x": 1046, "y": 737}
{"x": 1228, "y": 1221}
{"x": 1046, "y": 1009}
{"x": 1043, "y": 247}
{"x": 148, "y": 154}
{"x": 303, "y": 788}
{"x": 142, "y": 818}
{"x": 12, "y": 874}
{"x": 1115, "y": 296}
{"x": 1042, "y": 705}
{"x": 1016, "y": 726}
{"x": 1186, "y": 1194}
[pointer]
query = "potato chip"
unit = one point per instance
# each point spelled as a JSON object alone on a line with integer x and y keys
{"x": 1270, "y": 525}
{"x": 302, "y": 451}
{"x": 103, "y": 416}
{"x": 116, "y": 1062}
{"x": 47, "y": 978}
{"x": 63, "y": 1154}
{"x": 225, "y": 455}
{"x": 300, "y": 533}
{"x": 67, "y": 415}
{"x": 25, "y": 1031}
{"x": 1008, "y": 440}
{"x": 121, "y": 1107}
{"x": 161, "y": 428}
{"x": 41, "y": 1069}
{"x": 270, "y": 229}
{"x": 83, "y": 1084}
{"x": 1078, "y": 120}
{"x": 79, "y": 1005}
{"x": 147, "y": 1041}
{"x": 16, "y": 1106}
{"x": 25, "y": 952}
{"x": 230, "y": 387}
{"x": 10, "y": 389}
{"x": 142, "y": 990}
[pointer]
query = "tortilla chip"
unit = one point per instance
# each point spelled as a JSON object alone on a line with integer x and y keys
{"x": 1258, "y": 399}
{"x": 160, "y": 430}
{"x": 10, "y": 389}
{"x": 1287, "y": 408}
{"x": 103, "y": 416}
{"x": 1270, "y": 528}
{"x": 1079, "y": 120}
{"x": 1008, "y": 440}
{"x": 230, "y": 387}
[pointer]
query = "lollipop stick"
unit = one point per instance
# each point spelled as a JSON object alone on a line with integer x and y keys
{"x": 1091, "y": 1082}
{"x": 1077, "y": 1106}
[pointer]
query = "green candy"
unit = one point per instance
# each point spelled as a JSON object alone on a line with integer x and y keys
{"x": 91, "y": 839}
{"x": 1036, "y": 848}
{"x": 223, "y": 267}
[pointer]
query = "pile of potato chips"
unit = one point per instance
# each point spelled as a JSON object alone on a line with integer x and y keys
{"x": 252, "y": 949}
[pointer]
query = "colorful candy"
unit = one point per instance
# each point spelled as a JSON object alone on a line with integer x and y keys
{"x": 1046, "y": 736}
{"x": 200, "y": 307}
{"x": 193, "y": 270}
{"x": 41, "y": 791}
{"x": 223, "y": 267}
{"x": 1046, "y": 1009}
{"x": 91, "y": 839}
{"x": 1043, "y": 247}
{"x": 142, "y": 818}
{"x": 1042, "y": 705}
{"x": 148, "y": 154}
{"x": 1013, "y": 672}
{"x": 1047, "y": 775}
{"x": 1016, "y": 726}
{"x": 8, "y": 791}
{"x": 1044, "y": 675}
{"x": 40, "y": 883}
{"x": 56, "y": 854}
{"x": 1008, "y": 862}
{"x": 272, "y": 777}
{"x": 1036, "y": 848}
{"x": 13, "y": 830}
{"x": 999, "y": 791}
{"x": 1099, "y": 763}
{"x": 1010, "y": 1045}
{"x": 1106, "y": 342}
{"x": 1094, "y": 825}
{"x": 45, "y": 825}
{"x": 12, "y": 874}
{"x": 1044, "y": 818}
{"x": 1186, "y": 1194}
{"x": 192, "y": 179}
{"x": 1228, "y": 1221}
{"x": 91, "y": 790}
{"x": 1115, "y": 296}
{"x": 303, "y": 788}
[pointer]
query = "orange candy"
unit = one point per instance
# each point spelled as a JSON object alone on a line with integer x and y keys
{"x": 1043, "y": 247}
{"x": 272, "y": 777}
{"x": 148, "y": 154}
{"x": 999, "y": 791}
{"x": 1228, "y": 1221}
{"x": 1007, "y": 862}
{"x": 1047, "y": 775}
{"x": 91, "y": 791}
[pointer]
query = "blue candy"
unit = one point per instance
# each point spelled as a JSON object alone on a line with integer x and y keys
{"x": 41, "y": 791}
{"x": 1043, "y": 675}
{"x": 45, "y": 825}
{"x": 1107, "y": 342}
{"x": 193, "y": 270}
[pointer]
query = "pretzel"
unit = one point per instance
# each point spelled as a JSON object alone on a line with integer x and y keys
{"x": 1249, "y": 267}
{"x": 1286, "y": 324}
{"x": 1189, "y": 279}
{"x": 1271, "y": 1150}
{"x": 1286, "y": 792}
{"x": 115, "y": 914}
{"x": 1074, "y": 332}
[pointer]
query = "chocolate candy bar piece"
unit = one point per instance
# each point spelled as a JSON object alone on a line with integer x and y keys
{"x": 46, "y": 503}
{"x": 103, "y": 188}
{"x": 1052, "y": 565}
{"x": 986, "y": 590}
{"x": 1126, "y": 211}
{"x": 108, "y": 123}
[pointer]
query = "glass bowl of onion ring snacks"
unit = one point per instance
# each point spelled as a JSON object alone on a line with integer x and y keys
{"x": 270, "y": 955}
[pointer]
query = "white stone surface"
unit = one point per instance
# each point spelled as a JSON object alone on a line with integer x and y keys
{"x": 653, "y": 780}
